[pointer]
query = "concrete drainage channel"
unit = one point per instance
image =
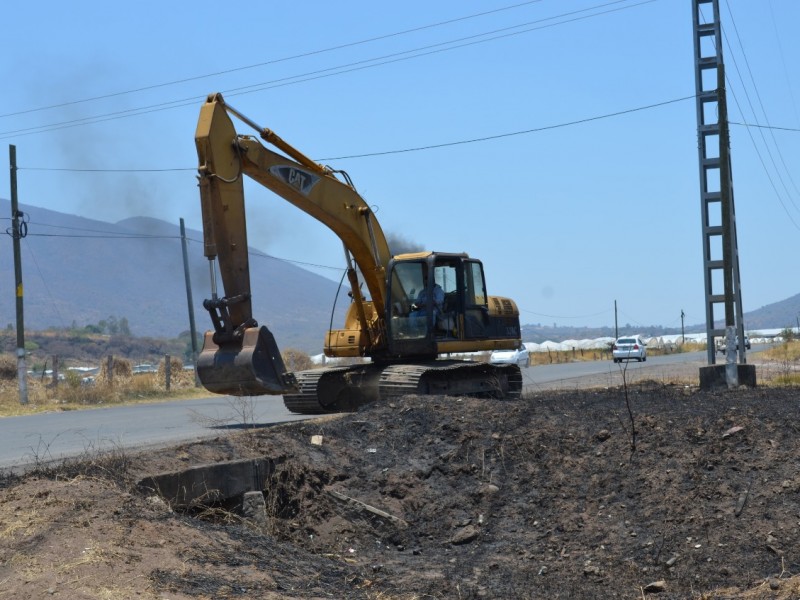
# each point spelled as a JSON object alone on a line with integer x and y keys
{"x": 236, "y": 485}
{"x": 239, "y": 486}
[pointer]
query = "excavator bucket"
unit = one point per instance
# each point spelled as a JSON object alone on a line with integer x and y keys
{"x": 253, "y": 368}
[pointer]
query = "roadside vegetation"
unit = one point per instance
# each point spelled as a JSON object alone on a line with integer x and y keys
{"x": 784, "y": 359}
{"x": 121, "y": 384}
{"x": 578, "y": 355}
{"x": 126, "y": 385}
{"x": 74, "y": 391}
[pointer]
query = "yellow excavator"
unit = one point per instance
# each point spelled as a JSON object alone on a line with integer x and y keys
{"x": 399, "y": 333}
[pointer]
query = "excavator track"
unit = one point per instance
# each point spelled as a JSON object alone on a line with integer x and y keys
{"x": 452, "y": 378}
{"x": 305, "y": 401}
{"x": 345, "y": 389}
{"x": 333, "y": 389}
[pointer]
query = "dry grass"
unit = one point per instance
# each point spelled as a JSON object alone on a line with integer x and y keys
{"x": 786, "y": 351}
{"x": 73, "y": 393}
{"x": 578, "y": 355}
{"x": 782, "y": 364}
{"x": 19, "y": 523}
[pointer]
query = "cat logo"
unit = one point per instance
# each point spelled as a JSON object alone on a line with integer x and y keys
{"x": 299, "y": 179}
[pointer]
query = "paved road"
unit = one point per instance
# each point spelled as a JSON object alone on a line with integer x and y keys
{"x": 566, "y": 375}
{"x": 51, "y": 436}
{"x": 29, "y": 439}
{"x": 606, "y": 372}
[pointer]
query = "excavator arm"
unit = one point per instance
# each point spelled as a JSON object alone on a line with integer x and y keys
{"x": 239, "y": 357}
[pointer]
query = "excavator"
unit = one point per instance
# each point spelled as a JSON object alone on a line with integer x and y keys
{"x": 398, "y": 339}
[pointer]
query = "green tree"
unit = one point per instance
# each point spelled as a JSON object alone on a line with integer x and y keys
{"x": 112, "y": 325}
{"x": 124, "y": 329}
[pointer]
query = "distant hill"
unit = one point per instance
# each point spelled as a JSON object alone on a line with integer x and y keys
{"x": 79, "y": 271}
{"x": 777, "y": 315}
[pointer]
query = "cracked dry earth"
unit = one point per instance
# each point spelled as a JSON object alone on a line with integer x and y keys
{"x": 546, "y": 497}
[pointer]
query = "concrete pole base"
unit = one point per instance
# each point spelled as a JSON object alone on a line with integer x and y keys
{"x": 714, "y": 377}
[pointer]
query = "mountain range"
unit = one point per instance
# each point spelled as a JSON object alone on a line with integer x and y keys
{"x": 79, "y": 271}
{"x": 778, "y": 315}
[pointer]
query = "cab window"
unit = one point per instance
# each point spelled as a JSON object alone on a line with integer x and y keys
{"x": 408, "y": 320}
{"x": 474, "y": 285}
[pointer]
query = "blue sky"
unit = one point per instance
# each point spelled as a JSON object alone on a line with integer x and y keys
{"x": 566, "y": 218}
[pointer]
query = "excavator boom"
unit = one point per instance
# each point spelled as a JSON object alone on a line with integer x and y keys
{"x": 229, "y": 362}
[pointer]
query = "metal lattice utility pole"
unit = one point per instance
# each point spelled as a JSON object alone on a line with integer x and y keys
{"x": 18, "y": 231}
{"x": 720, "y": 248}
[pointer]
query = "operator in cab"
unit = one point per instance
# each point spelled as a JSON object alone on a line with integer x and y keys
{"x": 419, "y": 306}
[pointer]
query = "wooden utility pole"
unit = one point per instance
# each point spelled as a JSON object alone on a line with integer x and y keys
{"x": 192, "y": 327}
{"x": 167, "y": 371}
{"x": 18, "y": 230}
{"x": 683, "y": 333}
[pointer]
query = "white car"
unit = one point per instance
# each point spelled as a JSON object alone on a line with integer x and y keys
{"x": 629, "y": 347}
{"x": 519, "y": 356}
{"x": 722, "y": 345}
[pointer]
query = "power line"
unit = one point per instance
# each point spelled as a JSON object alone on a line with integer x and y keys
{"x": 131, "y": 236}
{"x": 514, "y": 133}
{"x": 414, "y": 149}
{"x": 44, "y": 283}
{"x": 87, "y": 230}
{"x": 763, "y": 110}
{"x": 107, "y": 170}
{"x": 764, "y": 165}
{"x": 453, "y": 44}
{"x": 783, "y": 61}
{"x": 432, "y": 146}
{"x": 338, "y": 70}
{"x": 102, "y": 234}
{"x": 750, "y": 133}
{"x": 270, "y": 62}
{"x": 759, "y": 126}
{"x": 259, "y": 254}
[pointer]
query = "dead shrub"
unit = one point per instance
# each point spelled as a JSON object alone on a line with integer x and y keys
{"x": 8, "y": 367}
{"x": 179, "y": 377}
{"x": 121, "y": 372}
{"x": 296, "y": 360}
{"x": 175, "y": 365}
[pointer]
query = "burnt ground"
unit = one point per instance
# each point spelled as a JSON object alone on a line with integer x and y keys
{"x": 547, "y": 497}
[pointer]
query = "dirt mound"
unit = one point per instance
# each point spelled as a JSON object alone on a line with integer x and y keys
{"x": 552, "y": 496}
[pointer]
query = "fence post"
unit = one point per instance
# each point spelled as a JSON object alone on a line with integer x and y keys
{"x": 54, "y": 383}
{"x": 167, "y": 370}
{"x": 110, "y": 369}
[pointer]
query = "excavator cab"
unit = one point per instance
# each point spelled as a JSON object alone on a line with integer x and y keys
{"x": 437, "y": 301}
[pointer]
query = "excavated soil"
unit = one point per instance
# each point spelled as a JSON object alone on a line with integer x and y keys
{"x": 663, "y": 492}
